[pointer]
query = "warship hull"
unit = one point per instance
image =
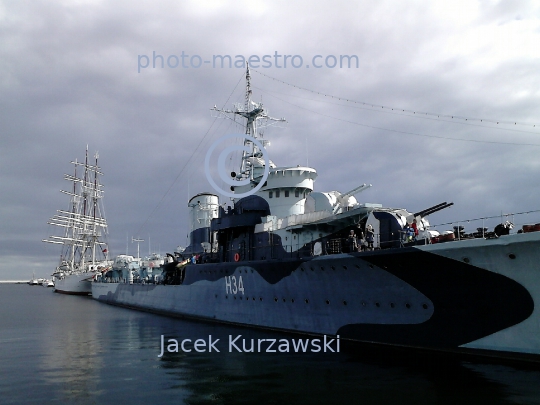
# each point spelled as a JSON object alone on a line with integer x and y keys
{"x": 478, "y": 295}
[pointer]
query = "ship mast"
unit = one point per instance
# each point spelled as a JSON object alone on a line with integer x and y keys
{"x": 74, "y": 207}
{"x": 85, "y": 201}
{"x": 83, "y": 222}
{"x": 95, "y": 192}
{"x": 256, "y": 117}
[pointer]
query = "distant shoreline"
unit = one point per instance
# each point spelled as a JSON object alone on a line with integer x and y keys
{"x": 13, "y": 281}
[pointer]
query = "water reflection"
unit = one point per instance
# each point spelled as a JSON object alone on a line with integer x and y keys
{"x": 76, "y": 350}
{"x": 519, "y": 386}
{"x": 71, "y": 352}
{"x": 368, "y": 375}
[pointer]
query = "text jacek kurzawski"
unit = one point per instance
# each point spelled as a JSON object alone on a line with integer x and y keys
{"x": 238, "y": 344}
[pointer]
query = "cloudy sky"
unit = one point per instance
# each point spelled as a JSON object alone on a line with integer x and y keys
{"x": 451, "y": 92}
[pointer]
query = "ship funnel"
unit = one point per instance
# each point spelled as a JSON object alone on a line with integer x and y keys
{"x": 202, "y": 208}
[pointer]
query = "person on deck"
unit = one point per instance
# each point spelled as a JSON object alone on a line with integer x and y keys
{"x": 360, "y": 240}
{"x": 415, "y": 228}
{"x": 352, "y": 242}
{"x": 408, "y": 233}
{"x": 370, "y": 235}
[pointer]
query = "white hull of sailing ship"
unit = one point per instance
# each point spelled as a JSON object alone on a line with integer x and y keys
{"x": 75, "y": 284}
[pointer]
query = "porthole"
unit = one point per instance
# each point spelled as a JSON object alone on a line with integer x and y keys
{"x": 260, "y": 298}
{"x": 275, "y": 299}
{"x": 512, "y": 256}
{"x": 322, "y": 268}
{"x": 466, "y": 260}
{"x": 345, "y": 267}
{"x": 370, "y": 266}
{"x": 392, "y": 305}
{"x": 377, "y": 304}
{"x": 306, "y": 301}
{"x": 344, "y": 302}
{"x": 332, "y": 267}
{"x": 284, "y": 300}
{"x": 407, "y": 305}
{"x": 327, "y": 302}
{"x": 235, "y": 297}
{"x": 357, "y": 266}
{"x": 254, "y": 299}
{"x": 364, "y": 303}
{"x": 292, "y": 300}
{"x": 425, "y": 306}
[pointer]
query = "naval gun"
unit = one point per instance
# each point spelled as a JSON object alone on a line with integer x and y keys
{"x": 431, "y": 210}
{"x": 355, "y": 191}
{"x": 343, "y": 199}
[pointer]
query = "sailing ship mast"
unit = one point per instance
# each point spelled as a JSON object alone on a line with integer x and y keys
{"x": 83, "y": 222}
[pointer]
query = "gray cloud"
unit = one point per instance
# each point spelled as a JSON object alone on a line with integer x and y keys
{"x": 69, "y": 78}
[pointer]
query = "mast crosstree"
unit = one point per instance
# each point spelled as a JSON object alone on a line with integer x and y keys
{"x": 257, "y": 118}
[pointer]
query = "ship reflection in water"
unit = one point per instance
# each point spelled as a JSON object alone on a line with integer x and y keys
{"x": 68, "y": 349}
{"x": 367, "y": 374}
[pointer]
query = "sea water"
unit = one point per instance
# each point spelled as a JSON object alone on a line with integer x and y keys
{"x": 64, "y": 349}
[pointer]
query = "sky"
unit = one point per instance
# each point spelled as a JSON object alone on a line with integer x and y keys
{"x": 442, "y": 103}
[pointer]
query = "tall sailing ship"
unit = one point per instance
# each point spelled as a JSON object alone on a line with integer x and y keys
{"x": 84, "y": 247}
{"x": 293, "y": 259}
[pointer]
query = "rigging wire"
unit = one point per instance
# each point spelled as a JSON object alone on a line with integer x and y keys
{"x": 239, "y": 128}
{"x": 387, "y": 111}
{"x": 405, "y": 132}
{"x": 491, "y": 217}
{"x": 186, "y": 163}
{"x": 419, "y": 113}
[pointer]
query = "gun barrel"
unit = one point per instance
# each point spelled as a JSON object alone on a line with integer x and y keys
{"x": 433, "y": 209}
{"x": 422, "y": 212}
{"x": 356, "y": 190}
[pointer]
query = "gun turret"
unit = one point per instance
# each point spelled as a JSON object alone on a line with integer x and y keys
{"x": 343, "y": 199}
